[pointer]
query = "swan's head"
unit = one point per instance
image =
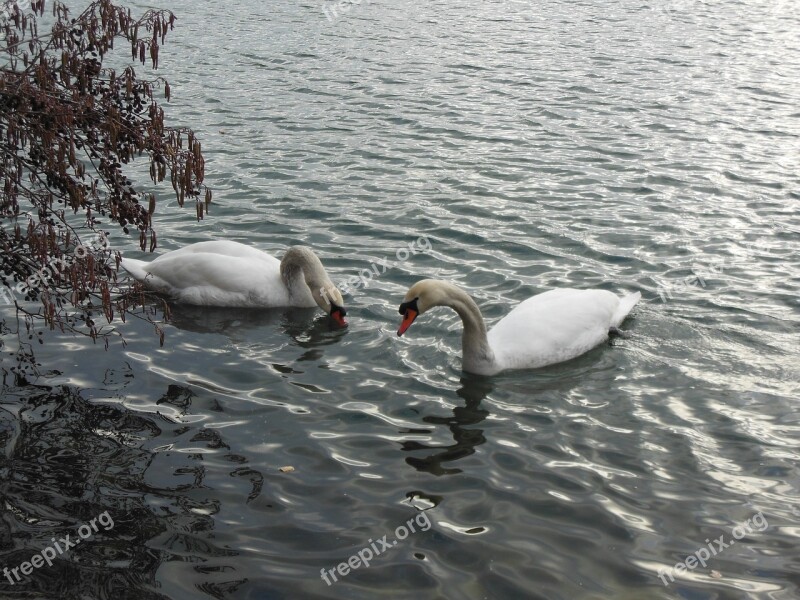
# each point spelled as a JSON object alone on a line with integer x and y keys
{"x": 421, "y": 297}
{"x": 329, "y": 299}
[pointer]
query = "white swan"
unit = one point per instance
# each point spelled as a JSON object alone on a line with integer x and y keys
{"x": 223, "y": 273}
{"x": 545, "y": 329}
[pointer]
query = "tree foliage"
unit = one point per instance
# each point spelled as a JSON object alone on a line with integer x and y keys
{"x": 68, "y": 127}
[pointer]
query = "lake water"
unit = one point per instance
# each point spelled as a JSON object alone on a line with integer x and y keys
{"x": 513, "y": 147}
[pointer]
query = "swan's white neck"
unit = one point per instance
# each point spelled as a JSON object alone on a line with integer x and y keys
{"x": 477, "y": 355}
{"x": 302, "y": 273}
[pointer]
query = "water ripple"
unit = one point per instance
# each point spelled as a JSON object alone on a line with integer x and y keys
{"x": 624, "y": 146}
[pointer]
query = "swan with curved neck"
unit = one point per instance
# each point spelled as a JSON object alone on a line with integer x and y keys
{"x": 223, "y": 273}
{"x": 545, "y": 329}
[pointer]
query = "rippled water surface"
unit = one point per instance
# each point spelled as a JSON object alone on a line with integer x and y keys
{"x": 517, "y": 146}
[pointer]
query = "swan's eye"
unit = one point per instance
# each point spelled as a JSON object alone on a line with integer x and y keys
{"x": 412, "y": 304}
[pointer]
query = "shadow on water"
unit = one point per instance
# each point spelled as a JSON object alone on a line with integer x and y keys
{"x": 473, "y": 390}
{"x": 66, "y": 461}
{"x": 308, "y": 327}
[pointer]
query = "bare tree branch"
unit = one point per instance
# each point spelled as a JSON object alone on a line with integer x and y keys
{"x": 68, "y": 128}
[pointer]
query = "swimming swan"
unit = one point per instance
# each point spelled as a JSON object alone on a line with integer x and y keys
{"x": 222, "y": 273}
{"x": 545, "y": 329}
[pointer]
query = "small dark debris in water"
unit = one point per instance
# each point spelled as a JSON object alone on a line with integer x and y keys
{"x": 212, "y": 437}
{"x": 419, "y": 555}
{"x": 177, "y": 396}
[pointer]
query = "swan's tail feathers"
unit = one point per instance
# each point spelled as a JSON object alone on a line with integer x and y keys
{"x": 625, "y": 306}
{"x": 135, "y": 267}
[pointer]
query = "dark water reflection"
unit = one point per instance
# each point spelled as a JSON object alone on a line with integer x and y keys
{"x": 462, "y": 425}
{"x": 67, "y": 461}
{"x": 532, "y": 487}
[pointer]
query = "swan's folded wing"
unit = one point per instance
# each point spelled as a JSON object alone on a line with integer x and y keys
{"x": 217, "y": 280}
{"x": 553, "y": 327}
{"x": 222, "y": 248}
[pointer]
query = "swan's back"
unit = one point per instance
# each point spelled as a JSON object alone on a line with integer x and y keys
{"x": 216, "y": 273}
{"x": 221, "y": 248}
{"x": 555, "y": 326}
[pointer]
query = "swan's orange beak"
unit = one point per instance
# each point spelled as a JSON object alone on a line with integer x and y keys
{"x": 408, "y": 319}
{"x": 337, "y": 314}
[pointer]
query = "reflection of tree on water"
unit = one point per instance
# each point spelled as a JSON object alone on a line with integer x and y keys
{"x": 66, "y": 460}
{"x": 473, "y": 390}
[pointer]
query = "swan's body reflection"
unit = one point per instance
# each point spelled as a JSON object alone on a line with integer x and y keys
{"x": 275, "y": 338}
{"x": 303, "y": 325}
